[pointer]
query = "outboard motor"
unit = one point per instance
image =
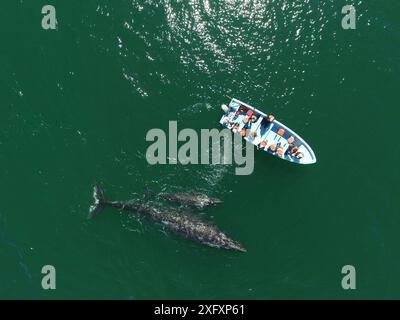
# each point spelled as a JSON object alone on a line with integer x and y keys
{"x": 225, "y": 108}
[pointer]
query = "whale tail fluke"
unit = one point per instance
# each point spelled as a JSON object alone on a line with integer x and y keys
{"x": 99, "y": 202}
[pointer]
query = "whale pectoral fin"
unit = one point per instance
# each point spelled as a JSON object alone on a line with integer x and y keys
{"x": 148, "y": 193}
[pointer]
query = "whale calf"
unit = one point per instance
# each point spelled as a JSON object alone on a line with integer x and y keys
{"x": 191, "y": 199}
{"x": 197, "y": 200}
{"x": 188, "y": 226}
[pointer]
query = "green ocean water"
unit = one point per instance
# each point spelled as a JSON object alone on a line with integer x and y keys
{"x": 76, "y": 104}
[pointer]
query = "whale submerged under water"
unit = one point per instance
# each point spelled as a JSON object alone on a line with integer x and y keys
{"x": 190, "y": 199}
{"x": 188, "y": 226}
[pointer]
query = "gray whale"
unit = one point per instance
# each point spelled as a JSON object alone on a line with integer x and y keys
{"x": 188, "y": 226}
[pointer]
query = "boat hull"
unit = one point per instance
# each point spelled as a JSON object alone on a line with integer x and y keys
{"x": 272, "y": 137}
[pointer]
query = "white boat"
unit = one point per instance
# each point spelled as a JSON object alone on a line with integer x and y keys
{"x": 266, "y": 133}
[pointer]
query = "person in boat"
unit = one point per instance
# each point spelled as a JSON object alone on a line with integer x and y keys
{"x": 253, "y": 119}
{"x": 235, "y": 127}
{"x": 242, "y": 110}
{"x": 249, "y": 121}
{"x": 262, "y": 145}
{"x": 265, "y": 123}
{"x": 252, "y": 135}
{"x": 279, "y": 149}
{"x": 272, "y": 148}
{"x": 270, "y": 118}
{"x": 299, "y": 155}
{"x": 243, "y": 132}
{"x": 291, "y": 150}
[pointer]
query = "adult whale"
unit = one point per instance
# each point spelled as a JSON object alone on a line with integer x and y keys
{"x": 188, "y": 226}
